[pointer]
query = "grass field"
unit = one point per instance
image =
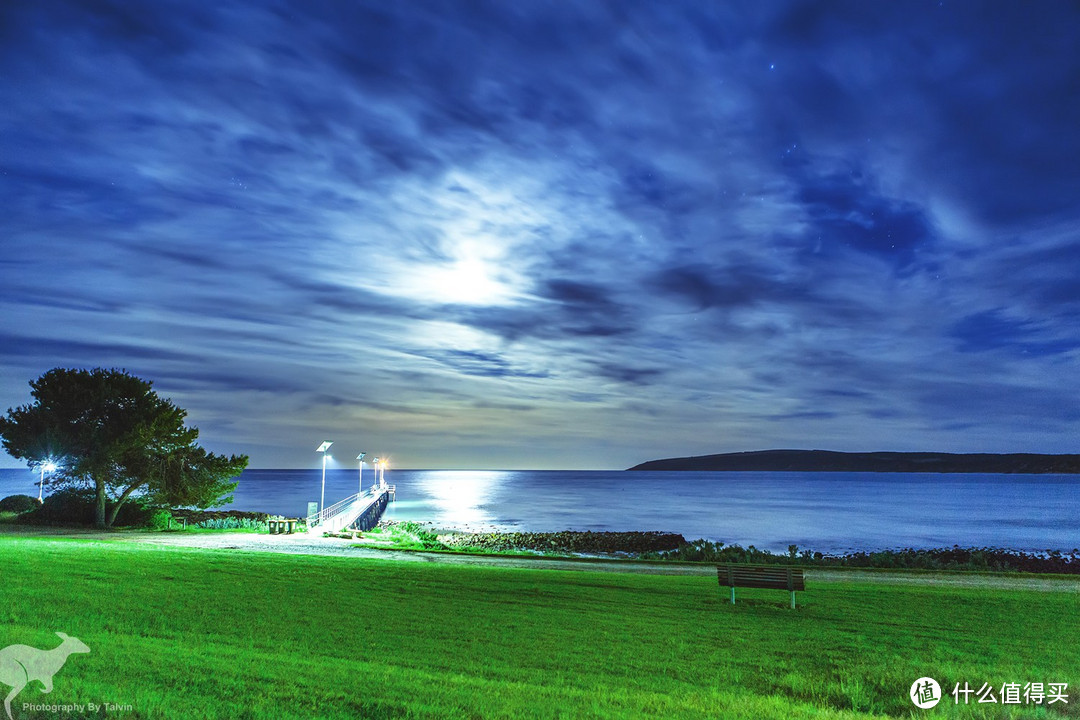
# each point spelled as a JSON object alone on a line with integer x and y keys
{"x": 211, "y": 634}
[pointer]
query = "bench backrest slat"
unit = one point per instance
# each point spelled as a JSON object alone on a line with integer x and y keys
{"x": 753, "y": 576}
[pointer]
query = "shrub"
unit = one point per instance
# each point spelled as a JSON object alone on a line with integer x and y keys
{"x": 132, "y": 514}
{"x": 160, "y": 519}
{"x": 70, "y": 505}
{"x": 76, "y": 506}
{"x": 231, "y": 523}
{"x": 18, "y": 504}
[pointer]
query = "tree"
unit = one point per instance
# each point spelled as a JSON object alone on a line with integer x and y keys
{"x": 110, "y": 430}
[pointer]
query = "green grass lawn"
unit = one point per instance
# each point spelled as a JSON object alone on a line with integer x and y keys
{"x": 209, "y": 634}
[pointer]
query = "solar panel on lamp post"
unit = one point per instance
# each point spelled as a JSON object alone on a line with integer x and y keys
{"x": 323, "y": 448}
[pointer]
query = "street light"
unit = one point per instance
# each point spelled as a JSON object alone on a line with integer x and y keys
{"x": 360, "y": 459}
{"x": 47, "y": 467}
{"x": 377, "y": 461}
{"x": 323, "y": 448}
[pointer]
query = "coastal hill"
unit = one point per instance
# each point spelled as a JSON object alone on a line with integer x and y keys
{"x": 827, "y": 461}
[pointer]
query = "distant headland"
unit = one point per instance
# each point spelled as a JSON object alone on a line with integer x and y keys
{"x": 828, "y": 461}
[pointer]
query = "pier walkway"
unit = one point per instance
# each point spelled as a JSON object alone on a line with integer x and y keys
{"x": 365, "y": 507}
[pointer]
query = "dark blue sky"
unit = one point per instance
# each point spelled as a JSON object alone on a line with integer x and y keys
{"x": 533, "y": 234}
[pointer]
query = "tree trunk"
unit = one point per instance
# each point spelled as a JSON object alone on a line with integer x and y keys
{"x": 99, "y": 515}
{"x": 120, "y": 501}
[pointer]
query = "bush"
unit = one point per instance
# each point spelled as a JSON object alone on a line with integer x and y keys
{"x": 220, "y": 519}
{"x": 76, "y": 506}
{"x": 18, "y": 504}
{"x": 159, "y": 519}
{"x": 231, "y": 523}
{"x": 132, "y": 513}
{"x": 70, "y": 505}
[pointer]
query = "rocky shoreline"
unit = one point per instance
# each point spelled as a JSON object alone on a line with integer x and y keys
{"x": 568, "y": 541}
{"x": 672, "y": 546}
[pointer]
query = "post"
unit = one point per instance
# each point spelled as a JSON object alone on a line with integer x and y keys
{"x": 48, "y": 466}
{"x": 322, "y": 449}
{"x": 360, "y": 459}
{"x": 791, "y": 586}
{"x": 322, "y": 497}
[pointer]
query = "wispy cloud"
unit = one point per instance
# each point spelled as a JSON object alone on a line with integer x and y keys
{"x": 517, "y": 234}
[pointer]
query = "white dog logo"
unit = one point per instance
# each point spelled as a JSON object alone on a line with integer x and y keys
{"x": 21, "y": 664}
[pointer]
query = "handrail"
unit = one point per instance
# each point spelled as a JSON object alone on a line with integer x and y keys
{"x": 342, "y": 506}
{"x": 328, "y": 512}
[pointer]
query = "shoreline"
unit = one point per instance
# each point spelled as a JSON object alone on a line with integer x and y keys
{"x": 835, "y": 516}
{"x": 9, "y": 528}
{"x": 304, "y": 544}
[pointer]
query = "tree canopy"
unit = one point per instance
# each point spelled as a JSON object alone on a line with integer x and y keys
{"x": 110, "y": 430}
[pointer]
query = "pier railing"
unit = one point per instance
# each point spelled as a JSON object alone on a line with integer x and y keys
{"x": 324, "y": 515}
{"x": 344, "y": 512}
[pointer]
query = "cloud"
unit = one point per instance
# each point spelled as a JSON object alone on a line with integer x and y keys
{"x": 844, "y": 212}
{"x": 591, "y": 229}
{"x": 481, "y": 364}
{"x": 992, "y": 330}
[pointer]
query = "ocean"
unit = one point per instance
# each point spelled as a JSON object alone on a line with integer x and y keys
{"x": 827, "y": 512}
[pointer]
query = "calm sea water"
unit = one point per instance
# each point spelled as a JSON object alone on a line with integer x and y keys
{"x": 829, "y": 512}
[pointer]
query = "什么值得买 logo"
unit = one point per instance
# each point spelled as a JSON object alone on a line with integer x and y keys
{"x": 925, "y": 693}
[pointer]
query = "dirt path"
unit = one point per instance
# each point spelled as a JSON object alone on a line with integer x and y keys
{"x": 301, "y": 544}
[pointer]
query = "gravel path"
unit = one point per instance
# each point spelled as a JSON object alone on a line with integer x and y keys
{"x": 302, "y": 544}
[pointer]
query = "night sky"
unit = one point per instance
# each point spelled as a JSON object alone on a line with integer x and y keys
{"x": 551, "y": 235}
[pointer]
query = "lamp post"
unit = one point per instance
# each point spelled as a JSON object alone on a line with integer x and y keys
{"x": 377, "y": 461}
{"x": 323, "y": 448}
{"x": 360, "y": 459}
{"x": 47, "y": 467}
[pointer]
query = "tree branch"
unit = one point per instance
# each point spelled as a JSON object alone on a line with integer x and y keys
{"x": 122, "y": 499}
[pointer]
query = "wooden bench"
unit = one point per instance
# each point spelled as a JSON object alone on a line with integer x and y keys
{"x": 773, "y": 577}
{"x": 282, "y": 526}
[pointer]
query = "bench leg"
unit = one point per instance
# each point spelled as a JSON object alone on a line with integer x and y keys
{"x": 732, "y": 594}
{"x": 792, "y": 599}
